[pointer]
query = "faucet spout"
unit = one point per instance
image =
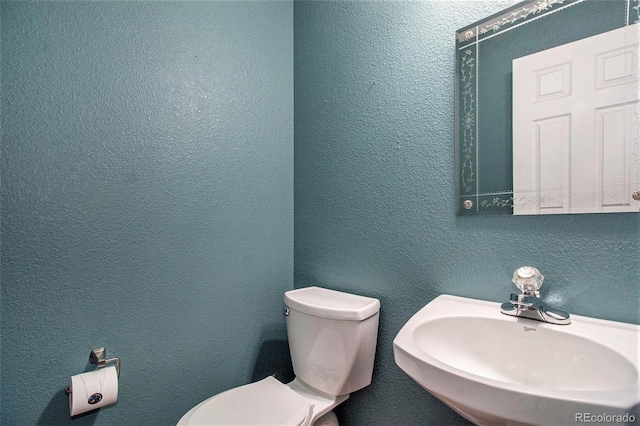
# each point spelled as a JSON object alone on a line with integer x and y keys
{"x": 534, "y": 308}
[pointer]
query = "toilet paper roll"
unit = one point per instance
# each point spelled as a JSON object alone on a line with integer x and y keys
{"x": 93, "y": 390}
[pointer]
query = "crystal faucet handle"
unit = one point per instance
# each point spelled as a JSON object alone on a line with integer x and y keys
{"x": 528, "y": 279}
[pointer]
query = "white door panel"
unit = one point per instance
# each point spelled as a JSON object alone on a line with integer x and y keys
{"x": 576, "y": 132}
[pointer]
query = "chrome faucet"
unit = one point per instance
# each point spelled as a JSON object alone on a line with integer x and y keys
{"x": 528, "y": 304}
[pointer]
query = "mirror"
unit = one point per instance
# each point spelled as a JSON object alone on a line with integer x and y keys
{"x": 548, "y": 109}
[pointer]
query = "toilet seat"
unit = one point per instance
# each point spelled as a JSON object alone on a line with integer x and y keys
{"x": 266, "y": 402}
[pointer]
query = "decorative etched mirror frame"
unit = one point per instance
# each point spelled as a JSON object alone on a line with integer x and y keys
{"x": 483, "y": 111}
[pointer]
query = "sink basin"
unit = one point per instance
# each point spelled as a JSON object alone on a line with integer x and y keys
{"x": 495, "y": 369}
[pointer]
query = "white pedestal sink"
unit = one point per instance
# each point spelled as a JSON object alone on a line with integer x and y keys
{"x": 495, "y": 369}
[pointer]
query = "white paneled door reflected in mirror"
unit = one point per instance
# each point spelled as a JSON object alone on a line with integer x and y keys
{"x": 548, "y": 109}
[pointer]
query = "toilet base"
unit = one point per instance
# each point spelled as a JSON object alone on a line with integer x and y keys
{"x": 327, "y": 419}
{"x": 322, "y": 402}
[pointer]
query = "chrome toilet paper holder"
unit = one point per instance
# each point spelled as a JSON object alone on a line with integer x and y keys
{"x": 99, "y": 358}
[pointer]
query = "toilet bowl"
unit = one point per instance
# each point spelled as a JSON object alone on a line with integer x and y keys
{"x": 332, "y": 340}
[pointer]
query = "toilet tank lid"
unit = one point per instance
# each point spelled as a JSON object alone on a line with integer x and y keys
{"x": 331, "y": 304}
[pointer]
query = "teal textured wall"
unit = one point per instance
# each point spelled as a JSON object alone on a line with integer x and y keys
{"x": 147, "y": 201}
{"x": 375, "y": 197}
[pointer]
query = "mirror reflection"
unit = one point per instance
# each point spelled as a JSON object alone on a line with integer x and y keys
{"x": 547, "y": 109}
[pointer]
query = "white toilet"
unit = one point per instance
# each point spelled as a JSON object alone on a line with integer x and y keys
{"x": 332, "y": 339}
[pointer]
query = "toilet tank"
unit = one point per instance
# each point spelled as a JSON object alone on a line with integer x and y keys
{"x": 332, "y": 338}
